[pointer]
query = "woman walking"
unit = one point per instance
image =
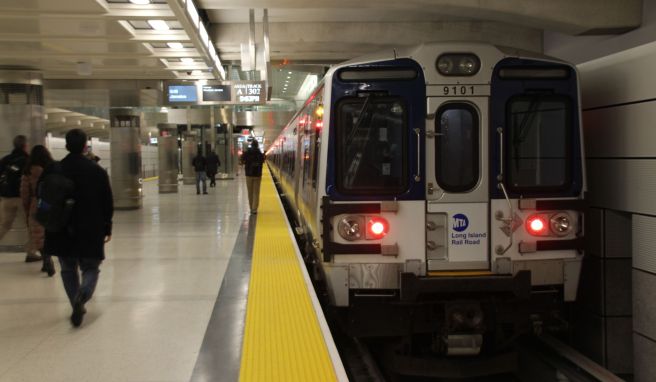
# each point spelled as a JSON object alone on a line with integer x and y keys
{"x": 39, "y": 159}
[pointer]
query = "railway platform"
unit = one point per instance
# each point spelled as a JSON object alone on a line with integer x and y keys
{"x": 193, "y": 288}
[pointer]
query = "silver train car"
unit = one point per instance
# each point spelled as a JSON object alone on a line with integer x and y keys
{"x": 439, "y": 192}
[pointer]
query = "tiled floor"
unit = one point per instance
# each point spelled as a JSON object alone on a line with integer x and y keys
{"x": 156, "y": 292}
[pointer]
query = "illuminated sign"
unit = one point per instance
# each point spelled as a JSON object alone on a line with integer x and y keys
{"x": 220, "y": 93}
{"x": 182, "y": 93}
{"x": 216, "y": 93}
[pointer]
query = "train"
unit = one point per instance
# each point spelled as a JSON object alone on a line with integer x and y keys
{"x": 438, "y": 194}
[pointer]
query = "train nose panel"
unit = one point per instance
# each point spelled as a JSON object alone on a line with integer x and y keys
{"x": 457, "y": 237}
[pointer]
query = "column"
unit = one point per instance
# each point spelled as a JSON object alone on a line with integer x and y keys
{"x": 21, "y": 113}
{"x": 125, "y": 158}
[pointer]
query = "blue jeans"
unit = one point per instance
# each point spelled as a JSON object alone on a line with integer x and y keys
{"x": 71, "y": 277}
{"x": 201, "y": 176}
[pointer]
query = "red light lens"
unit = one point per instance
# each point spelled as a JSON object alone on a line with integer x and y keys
{"x": 536, "y": 226}
{"x": 377, "y": 228}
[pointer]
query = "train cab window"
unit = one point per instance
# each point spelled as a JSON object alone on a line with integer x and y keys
{"x": 372, "y": 145}
{"x": 538, "y": 143}
{"x": 457, "y": 147}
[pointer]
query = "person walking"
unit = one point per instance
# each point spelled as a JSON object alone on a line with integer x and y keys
{"x": 11, "y": 171}
{"x": 38, "y": 160}
{"x": 213, "y": 163}
{"x": 200, "y": 166}
{"x": 81, "y": 247}
{"x": 253, "y": 160}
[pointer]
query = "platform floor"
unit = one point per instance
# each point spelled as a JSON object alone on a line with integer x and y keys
{"x": 157, "y": 291}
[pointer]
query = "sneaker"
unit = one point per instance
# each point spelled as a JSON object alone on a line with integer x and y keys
{"x": 197, "y": 192}
{"x": 32, "y": 257}
{"x": 205, "y": 193}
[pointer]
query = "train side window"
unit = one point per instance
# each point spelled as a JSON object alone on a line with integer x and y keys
{"x": 371, "y": 148}
{"x": 457, "y": 147}
{"x": 538, "y": 143}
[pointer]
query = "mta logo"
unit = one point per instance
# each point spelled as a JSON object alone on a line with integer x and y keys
{"x": 460, "y": 222}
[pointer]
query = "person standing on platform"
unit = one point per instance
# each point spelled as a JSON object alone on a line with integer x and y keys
{"x": 11, "y": 171}
{"x": 38, "y": 160}
{"x": 81, "y": 246}
{"x": 213, "y": 163}
{"x": 253, "y": 160}
{"x": 200, "y": 166}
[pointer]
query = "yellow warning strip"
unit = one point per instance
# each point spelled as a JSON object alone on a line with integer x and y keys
{"x": 151, "y": 178}
{"x": 282, "y": 338}
{"x": 459, "y": 273}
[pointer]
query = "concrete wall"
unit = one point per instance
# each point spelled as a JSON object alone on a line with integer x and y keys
{"x": 616, "y": 313}
{"x": 619, "y": 95}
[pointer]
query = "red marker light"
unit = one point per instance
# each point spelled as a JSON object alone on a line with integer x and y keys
{"x": 377, "y": 228}
{"x": 536, "y": 226}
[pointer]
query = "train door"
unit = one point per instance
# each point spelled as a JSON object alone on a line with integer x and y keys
{"x": 457, "y": 228}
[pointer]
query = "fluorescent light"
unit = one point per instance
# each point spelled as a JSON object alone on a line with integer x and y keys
{"x": 289, "y": 72}
{"x": 187, "y": 60}
{"x": 159, "y": 25}
{"x": 140, "y": 2}
{"x": 288, "y": 77}
{"x": 196, "y": 73}
{"x": 175, "y": 45}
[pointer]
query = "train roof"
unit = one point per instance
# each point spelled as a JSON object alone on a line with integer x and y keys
{"x": 456, "y": 46}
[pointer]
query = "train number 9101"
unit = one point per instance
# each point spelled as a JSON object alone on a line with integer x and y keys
{"x": 458, "y": 90}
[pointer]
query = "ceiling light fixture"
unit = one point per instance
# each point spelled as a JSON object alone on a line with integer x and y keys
{"x": 187, "y": 60}
{"x": 140, "y": 2}
{"x": 159, "y": 25}
{"x": 195, "y": 72}
{"x": 174, "y": 45}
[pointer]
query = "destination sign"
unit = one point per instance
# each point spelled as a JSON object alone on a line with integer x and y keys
{"x": 216, "y": 93}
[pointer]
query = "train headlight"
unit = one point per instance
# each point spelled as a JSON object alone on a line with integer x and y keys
{"x": 561, "y": 224}
{"x": 458, "y": 64}
{"x": 350, "y": 228}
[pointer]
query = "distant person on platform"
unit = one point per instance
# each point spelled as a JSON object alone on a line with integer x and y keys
{"x": 213, "y": 163}
{"x": 81, "y": 247}
{"x": 11, "y": 171}
{"x": 39, "y": 160}
{"x": 253, "y": 160}
{"x": 200, "y": 166}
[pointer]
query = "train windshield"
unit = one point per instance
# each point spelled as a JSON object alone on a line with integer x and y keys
{"x": 371, "y": 145}
{"x": 539, "y": 143}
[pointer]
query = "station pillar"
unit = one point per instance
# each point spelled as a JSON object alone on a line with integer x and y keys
{"x": 167, "y": 147}
{"x": 126, "y": 158}
{"x": 21, "y": 113}
{"x": 189, "y": 151}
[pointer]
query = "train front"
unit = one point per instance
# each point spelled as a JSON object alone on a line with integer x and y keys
{"x": 452, "y": 217}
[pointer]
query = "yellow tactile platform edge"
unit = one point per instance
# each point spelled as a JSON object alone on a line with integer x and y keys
{"x": 282, "y": 337}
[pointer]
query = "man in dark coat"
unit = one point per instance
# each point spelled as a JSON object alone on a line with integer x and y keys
{"x": 200, "y": 166}
{"x": 213, "y": 163}
{"x": 82, "y": 246}
{"x": 11, "y": 169}
{"x": 253, "y": 160}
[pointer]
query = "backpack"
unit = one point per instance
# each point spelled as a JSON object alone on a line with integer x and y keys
{"x": 54, "y": 200}
{"x": 10, "y": 178}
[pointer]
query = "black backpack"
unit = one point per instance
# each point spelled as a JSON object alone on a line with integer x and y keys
{"x": 10, "y": 178}
{"x": 54, "y": 200}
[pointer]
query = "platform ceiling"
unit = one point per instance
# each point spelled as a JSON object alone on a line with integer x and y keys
{"x": 114, "y": 40}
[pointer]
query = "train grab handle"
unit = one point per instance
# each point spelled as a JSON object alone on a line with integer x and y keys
{"x": 509, "y": 220}
{"x": 418, "y": 175}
